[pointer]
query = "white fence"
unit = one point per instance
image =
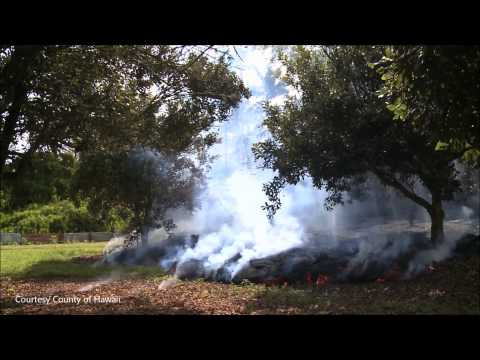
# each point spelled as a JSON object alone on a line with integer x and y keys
{"x": 10, "y": 238}
{"x": 87, "y": 236}
{"x": 76, "y": 237}
{"x": 17, "y": 238}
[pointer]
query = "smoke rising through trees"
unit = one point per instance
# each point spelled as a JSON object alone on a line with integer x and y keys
{"x": 233, "y": 229}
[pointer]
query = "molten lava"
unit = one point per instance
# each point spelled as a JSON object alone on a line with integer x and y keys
{"x": 321, "y": 280}
{"x": 309, "y": 279}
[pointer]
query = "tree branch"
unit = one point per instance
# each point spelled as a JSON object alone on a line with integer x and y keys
{"x": 392, "y": 181}
{"x": 190, "y": 63}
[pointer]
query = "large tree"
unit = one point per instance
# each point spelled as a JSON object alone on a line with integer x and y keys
{"x": 147, "y": 182}
{"x": 110, "y": 98}
{"x": 338, "y": 130}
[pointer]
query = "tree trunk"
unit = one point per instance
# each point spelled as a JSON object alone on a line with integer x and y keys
{"x": 144, "y": 234}
{"x": 437, "y": 215}
{"x": 13, "y": 89}
{"x": 8, "y": 129}
{"x": 435, "y": 210}
{"x": 145, "y": 227}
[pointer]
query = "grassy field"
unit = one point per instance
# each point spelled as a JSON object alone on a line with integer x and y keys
{"x": 53, "y": 261}
{"x": 71, "y": 270}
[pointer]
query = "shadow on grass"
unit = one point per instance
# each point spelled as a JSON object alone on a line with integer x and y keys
{"x": 70, "y": 269}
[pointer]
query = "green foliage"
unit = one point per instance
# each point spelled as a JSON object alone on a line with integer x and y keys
{"x": 48, "y": 180}
{"x": 340, "y": 129}
{"x": 111, "y": 98}
{"x": 145, "y": 182}
{"x": 435, "y": 89}
{"x": 56, "y": 217}
{"x": 100, "y": 102}
{"x": 398, "y": 108}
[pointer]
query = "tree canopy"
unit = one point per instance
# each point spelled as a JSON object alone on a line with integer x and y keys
{"x": 435, "y": 89}
{"x": 111, "y": 98}
{"x": 339, "y": 130}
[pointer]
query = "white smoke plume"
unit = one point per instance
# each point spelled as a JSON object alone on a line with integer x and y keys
{"x": 230, "y": 220}
{"x": 231, "y": 223}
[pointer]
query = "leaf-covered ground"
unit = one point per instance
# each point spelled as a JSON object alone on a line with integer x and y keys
{"x": 451, "y": 288}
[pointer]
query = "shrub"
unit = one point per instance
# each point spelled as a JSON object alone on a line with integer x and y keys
{"x": 62, "y": 216}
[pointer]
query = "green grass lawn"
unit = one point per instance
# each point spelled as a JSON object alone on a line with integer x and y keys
{"x": 58, "y": 261}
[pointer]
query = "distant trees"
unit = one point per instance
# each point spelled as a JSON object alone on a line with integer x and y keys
{"x": 146, "y": 182}
{"x": 55, "y": 217}
{"x": 47, "y": 200}
{"x": 48, "y": 179}
{"x": 340, "y": 130}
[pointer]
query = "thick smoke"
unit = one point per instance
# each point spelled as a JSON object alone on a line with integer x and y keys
{"x": 232, "y": 222}
{"x": 233, "y": 229}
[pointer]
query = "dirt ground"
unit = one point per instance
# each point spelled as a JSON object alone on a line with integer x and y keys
{"x": 452, "y": 287}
